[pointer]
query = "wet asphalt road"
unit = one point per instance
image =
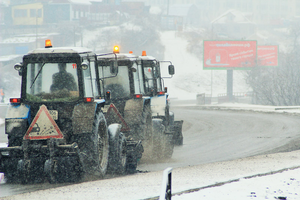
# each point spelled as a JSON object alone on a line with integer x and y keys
{"x": 219, "y": 135}
{"x": 211, "y": 136}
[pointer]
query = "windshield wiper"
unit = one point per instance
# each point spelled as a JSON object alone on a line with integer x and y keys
{"x": 37, "y": 75}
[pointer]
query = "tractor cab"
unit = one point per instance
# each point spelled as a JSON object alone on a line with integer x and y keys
{"x": 58, "y": 78}
{"x": 57, "y": 75}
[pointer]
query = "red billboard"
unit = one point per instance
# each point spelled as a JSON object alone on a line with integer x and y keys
{"x": 229, "y": 54}
{"x": 267, "y": 55}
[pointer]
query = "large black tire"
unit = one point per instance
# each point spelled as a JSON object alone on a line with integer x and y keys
{"x": 15, "y": 138}
{"x": 158, "y": 129}
{"x": 163, "y": 144}
{"x": 145, "y": 127}
{"x": 63, "y": 169}
{"x": 144, "y": 131}
{"x": 11, "y": 174}
{"x": 94, "y": 148}
{"x": 117, "y": 150}
{"x": 168, "y": 146}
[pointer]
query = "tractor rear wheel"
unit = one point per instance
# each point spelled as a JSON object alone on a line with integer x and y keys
{"x": 117, "y": 150}
{"x": 145, "y": 132}
{"x": 94, "y": 148}
{"x": 163, "y": 144}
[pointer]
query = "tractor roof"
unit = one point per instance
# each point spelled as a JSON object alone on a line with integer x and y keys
{"x": 76, "y": 50}
{"x": 120, "y": 56}
{"x": 147, "y": 58}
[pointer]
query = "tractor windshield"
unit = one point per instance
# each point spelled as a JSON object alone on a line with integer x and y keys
{"x": 51, "y": 82}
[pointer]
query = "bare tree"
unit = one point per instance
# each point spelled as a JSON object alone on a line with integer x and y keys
{"x": 278, "y": 86}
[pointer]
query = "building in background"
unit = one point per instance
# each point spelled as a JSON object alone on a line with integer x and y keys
{"x": 265, "y": 12}
{"x": 179, "y": 16}
{"x": 27, "y": 14}
{"x": 233, "y": 24}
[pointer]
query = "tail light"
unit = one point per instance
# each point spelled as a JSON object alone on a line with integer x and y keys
{"x": 88, "y": 99}
{"x": 108, "y": 95}
{"x": 138, "y": 96}
{"x": 15, "y": 100}
{"x": 161, "y": 93}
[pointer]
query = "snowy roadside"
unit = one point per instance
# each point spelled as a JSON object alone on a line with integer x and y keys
{"x": 241, "y": 106}
{"x": 257, "y": 177}
{"x": 281, "y": 185}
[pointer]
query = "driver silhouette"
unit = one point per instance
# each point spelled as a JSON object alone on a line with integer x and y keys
{"x": 63, "y": 80}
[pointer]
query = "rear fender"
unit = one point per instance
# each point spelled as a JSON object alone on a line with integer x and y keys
{"x": 84, "y": 116}
{"x": 17, "y": 120}
{"x": 134, "y": 109}
{"x": 113, "y": 131}
{"x": 158, "y": 105}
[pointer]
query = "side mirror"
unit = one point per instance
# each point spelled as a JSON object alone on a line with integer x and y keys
{"x": 19, "y": 68}
{"x": 171, "y": 69}
{"x": 114, "y": 67}
{"x": 84, "y": 65}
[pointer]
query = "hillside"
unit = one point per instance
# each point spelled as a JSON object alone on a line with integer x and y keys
{"x": 190, "y": 78}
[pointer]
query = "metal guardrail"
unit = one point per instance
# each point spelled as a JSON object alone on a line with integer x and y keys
{"x": 237, "y": 94}
{"x": 166, "y": 187}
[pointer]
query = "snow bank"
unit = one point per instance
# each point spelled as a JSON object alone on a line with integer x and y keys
{"x": 186, "y": 179}
{"x": 283, "y": 185}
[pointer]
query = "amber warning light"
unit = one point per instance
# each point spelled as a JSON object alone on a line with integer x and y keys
{"x": 48, "y": 44}
{"x": 116, "y": 49}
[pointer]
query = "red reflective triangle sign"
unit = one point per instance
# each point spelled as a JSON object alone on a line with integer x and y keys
{"x": 43, "y": 126}
{"x": 112, "y": 109}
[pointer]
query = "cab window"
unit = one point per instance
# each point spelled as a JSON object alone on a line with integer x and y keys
{"x": 138, "y": 79}
{"x": 51, "y": 82}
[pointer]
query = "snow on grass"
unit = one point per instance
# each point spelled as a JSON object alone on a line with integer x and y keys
{"x": 283, "y": 185}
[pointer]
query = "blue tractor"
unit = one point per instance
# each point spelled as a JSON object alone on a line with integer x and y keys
{"x": 57, "y": 129}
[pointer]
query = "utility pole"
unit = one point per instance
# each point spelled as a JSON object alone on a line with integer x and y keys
{"x": 168, "y": 5}
{"x": 36, "y": 28}
{"x": 230, "y": 84}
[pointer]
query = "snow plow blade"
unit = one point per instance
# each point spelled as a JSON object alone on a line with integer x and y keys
{"x": 177, "y": 133}
{"x": 33, "y": 163}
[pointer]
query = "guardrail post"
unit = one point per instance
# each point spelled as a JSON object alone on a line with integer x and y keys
{"x": 166, "y": 186}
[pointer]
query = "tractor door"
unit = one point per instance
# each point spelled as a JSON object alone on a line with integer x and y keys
{"x": 150, "y": 82}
